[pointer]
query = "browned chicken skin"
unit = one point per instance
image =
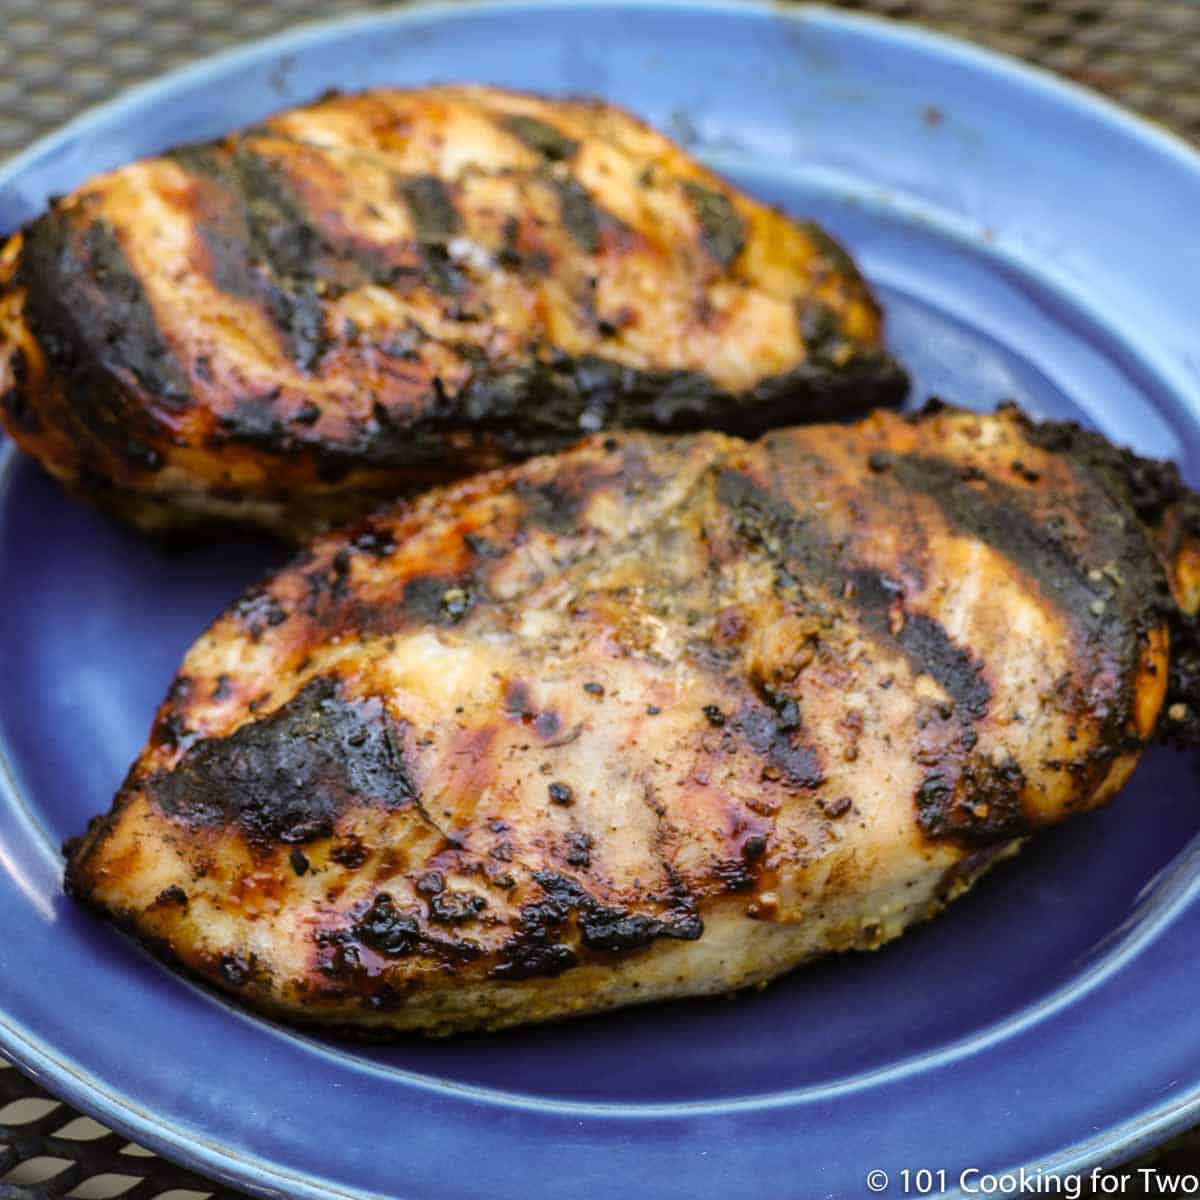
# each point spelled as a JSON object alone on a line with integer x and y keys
{"x": 379, "y": 291}
{"x": 659, "y": 716}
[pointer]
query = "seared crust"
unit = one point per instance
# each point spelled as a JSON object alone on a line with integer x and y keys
{"x": 655, "y": 717}
{"x": 379, "y": 291}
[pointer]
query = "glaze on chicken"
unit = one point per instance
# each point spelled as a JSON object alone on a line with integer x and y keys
{"x": 378, "y": 291}
{"x": 656, "y": 717}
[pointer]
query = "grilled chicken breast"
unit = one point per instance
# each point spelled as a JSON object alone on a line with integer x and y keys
{"x": 383, "y": 290}
{"x": 657, "y": 717}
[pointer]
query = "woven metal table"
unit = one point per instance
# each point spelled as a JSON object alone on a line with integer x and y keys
{"x": 58, "y": 57}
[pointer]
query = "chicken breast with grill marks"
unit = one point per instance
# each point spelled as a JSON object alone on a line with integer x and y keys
{"x": 657, "y": 717}
{"x": 378, "y": 291}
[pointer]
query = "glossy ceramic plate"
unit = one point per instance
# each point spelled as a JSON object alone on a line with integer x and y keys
{"x": 1029, "y": 242}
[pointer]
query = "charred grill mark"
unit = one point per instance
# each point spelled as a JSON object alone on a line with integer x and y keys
{"x": 721, "y": 226}
{"x": 743, "y": 871}
{"x": 539, "y": 947}
{"x": 606, "y": 927}
{"x": 287, "y": 777}
{"x": 766, "y": 520}
{"x": 536, "y": 947}
{"x": 774, "y": 736}
{"x": 561, "y": 793}
{"x": 1110, "y": 621}
{"x": 830, "y": 250}
{"x": 388, "y": 930}
{"x": 579, "y": 849}
{"x": 333, "y": 598}
{"x": 15, "y": 401}
{"x": 202, "y": 159}
{"x": 391, "y": 931}
{"x": 976, "y": 802}
{"x": 432, "y": 208}
{"x": 350, "y": 853}
{"x": 542, "y": 138}
{"x": 1155, "y": 492}
{"x": 989, "y": 511}
{"x": 579, "y": 213}
{"x": 807, "y": 553}
{"x": 171, "y": 731}
{"x": 1149, "y": 486}
{"x": 282, "y": 234}
{"x": 483, "y": 547}
{"x": 441, "y": 273}
{"x": 821, "y": 390}
{"x": 431, "y": 883}
{"x": 298, "y": 314}
{"x": 930, "y": 649}
{"x": 819, "y": 328}
{"x": 384, "y": 440}
{"x": 327, "y": 585}
{"x": 544, "y": 406}
{"x": 235, "y": 969}
{"x": 263, "y": 246}
{"x": 257, "y": 610}
{"x": 1179, "y": 721}
{"x": 1080, "y": 580}
{"x": 924, "y": 641}
{"x": 337, "y": 953}
{"x": 531, "y": 954}
{"x": 513, "y": 257}
{"x": 618, "y": 930}
{"x": 534, "y": 408}
{"x": 825, "y": 345}
{"x": 549, "y": 506}
{"x": 254, "y": 421}
{"x": 438, "y": 601}
{"x": 456, "y": 907}
{"x": 173, "y": 895}
{"x": 128, "y": 335}
{"x": 962, "y": 796}
{"x": 89, "y": 312}
{"x": 375, "y": 540}
{"x": 224, "y": 237}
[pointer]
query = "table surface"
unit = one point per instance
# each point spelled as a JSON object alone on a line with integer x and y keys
{"x": 58, "y": 57}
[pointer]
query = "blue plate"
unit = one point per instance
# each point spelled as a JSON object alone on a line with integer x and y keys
{"x": 1029, "y": 242}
